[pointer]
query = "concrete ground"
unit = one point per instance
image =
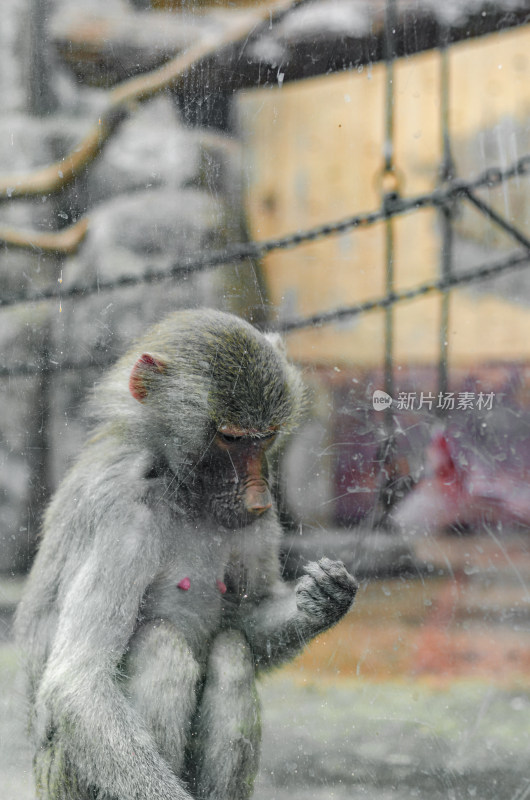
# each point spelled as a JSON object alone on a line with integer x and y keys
{"x": 423, "y": 691}
{"x": 395, "y": 741}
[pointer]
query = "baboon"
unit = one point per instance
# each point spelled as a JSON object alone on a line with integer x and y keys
{"x": 156, "y": 593}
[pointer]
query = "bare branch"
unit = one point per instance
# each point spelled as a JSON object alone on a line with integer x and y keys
{"x": 63, "y": 242}
{"x": 123, "y": 98}
{"x": 50, "y": 179}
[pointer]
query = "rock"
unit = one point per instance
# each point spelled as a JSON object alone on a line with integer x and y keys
{"x": 149, "y": 229}
{"x": 28, "y": 142}
{"x": 105, "y": 43}
{"x": 23, "y": 442}
{"x": 13, "y": 69}
{"x": 151, "y": 149}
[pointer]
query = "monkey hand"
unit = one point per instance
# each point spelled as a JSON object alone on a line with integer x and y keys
{"x": 326, "y": 592}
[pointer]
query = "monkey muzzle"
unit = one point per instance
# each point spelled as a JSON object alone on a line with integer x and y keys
{"x": 233, "y": 479}
{"x": 257, "y": 497}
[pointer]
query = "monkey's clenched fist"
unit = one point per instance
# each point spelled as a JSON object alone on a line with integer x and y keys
{"x": 156, "y": 592}
{"x": 326, "y": 592}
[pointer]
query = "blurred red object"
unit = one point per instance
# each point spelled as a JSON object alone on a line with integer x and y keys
{"x": 460, "y": 490}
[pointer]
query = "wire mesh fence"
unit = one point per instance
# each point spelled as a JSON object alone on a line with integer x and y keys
{"x": 450, "y": 192}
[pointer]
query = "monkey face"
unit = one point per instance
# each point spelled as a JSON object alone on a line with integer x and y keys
{"x": 212, "y": 395}
{"x": 234, "y": 487}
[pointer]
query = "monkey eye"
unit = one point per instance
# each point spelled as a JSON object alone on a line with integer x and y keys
{"x": 267, "y": 437}
{"x": 235, "y": 437}
{"x": 230, "y": 437}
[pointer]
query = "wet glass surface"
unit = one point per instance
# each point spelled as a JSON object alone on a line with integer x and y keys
{"x": 355, "y": 176}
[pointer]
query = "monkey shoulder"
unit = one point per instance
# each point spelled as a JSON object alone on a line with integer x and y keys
{"x": 102, "y": 510}
{"x": 94, "y": 526}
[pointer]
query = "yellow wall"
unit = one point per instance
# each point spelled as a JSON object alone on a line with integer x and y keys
{"x": 313, "y": 154}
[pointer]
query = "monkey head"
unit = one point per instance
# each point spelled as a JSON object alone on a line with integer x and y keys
{"x": 213, "y": 398}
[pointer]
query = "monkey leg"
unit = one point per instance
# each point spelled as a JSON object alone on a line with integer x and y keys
{"x": 162, "y": 675}
{"x": 224, "y": 754}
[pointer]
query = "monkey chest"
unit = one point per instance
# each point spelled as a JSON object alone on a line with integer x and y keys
{"x": 190, "y": 586}
{"x": 184, "y": 591}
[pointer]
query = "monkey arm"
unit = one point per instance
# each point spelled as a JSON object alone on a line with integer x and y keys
{"x": 79, "y": 702}
{"x": 281, "y": 624}
{"x": 275, "y": 630}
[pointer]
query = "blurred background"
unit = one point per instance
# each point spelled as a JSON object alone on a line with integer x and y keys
{"x": 356, "y": 175}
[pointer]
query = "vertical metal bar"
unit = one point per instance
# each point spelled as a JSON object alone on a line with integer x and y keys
{"x": 388, "y": 171}
{"x": 390, "y": 55}
{"x": 41, "y": 96}
{"x": 389, "y": 310}
{"x": 385, "y": 454}
{"x": 446, "y": 217}
{"x": 443, "y": 338}
{"x": 41, "y": 101}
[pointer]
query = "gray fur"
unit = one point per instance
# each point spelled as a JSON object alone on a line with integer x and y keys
{"x": 141, "y": 689}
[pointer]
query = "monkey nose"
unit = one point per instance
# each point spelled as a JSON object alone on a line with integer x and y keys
{"x": 257, "y": 500}
{"x": 259, "y": 508}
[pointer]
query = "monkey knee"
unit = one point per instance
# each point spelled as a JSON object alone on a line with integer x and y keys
{"x": 230, "y": 662}
{"x": 228, "y": 731}
{"x": 230, "y": 645}
{"x": 161, "y": 683}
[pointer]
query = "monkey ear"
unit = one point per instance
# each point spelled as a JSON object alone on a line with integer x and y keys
{"x": 145, "y": 368}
